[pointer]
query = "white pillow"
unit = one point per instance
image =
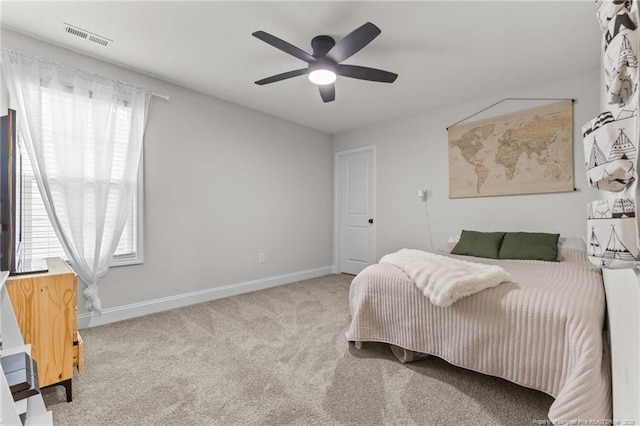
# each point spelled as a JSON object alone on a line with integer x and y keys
{"x": 572, "y": 243}
{"x": 454, "y": 238}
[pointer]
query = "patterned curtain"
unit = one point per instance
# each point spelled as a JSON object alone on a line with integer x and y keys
{"x": 611, "y": 143}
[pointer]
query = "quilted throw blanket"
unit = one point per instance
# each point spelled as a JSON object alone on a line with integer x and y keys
{"x": 443, "y": 279}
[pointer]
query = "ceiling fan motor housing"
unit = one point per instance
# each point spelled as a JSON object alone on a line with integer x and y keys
{"x": 321, "y": 45}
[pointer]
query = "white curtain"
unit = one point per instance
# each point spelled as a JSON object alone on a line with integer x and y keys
{"x": 84, "y": 136}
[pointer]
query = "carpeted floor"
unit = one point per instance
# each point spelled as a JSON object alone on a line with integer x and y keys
{"x": 273, "y": 357}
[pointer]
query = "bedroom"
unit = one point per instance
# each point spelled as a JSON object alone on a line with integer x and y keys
{"x": 267, "y": 187}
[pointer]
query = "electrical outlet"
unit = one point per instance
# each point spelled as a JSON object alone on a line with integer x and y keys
{"x": 261, "y": 257}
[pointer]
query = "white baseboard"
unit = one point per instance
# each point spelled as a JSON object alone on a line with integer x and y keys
{"x": 133, "y": 310}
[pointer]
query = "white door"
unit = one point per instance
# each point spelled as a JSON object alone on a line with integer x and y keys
{"x": 357, "y": 227}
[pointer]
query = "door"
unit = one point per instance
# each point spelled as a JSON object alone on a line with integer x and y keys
{"x": 356, "y": 204}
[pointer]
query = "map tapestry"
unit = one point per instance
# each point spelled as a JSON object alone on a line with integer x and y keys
{"x": 524, "y": 152}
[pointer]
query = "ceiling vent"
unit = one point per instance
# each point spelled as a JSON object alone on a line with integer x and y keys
{"x": 79, "y": 32}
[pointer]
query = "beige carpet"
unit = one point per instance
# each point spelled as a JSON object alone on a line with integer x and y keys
{"x": 274, "y": 357}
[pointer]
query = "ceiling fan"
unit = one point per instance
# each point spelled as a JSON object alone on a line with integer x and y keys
{"x": 324, "y": 63}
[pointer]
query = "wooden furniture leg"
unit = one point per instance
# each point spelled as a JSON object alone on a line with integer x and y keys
{"x": 67, "y": 388}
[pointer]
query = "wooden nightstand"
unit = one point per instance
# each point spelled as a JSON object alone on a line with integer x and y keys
{"x": 45, "y": 306}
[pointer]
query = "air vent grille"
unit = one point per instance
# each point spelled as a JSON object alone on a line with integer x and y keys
{"x": 87, "y": 35}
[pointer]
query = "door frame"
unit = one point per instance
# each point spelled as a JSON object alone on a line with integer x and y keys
{"x": 337, "y": 201}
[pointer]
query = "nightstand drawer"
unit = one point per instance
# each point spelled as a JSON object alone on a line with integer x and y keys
{"x": 78, "y": 354}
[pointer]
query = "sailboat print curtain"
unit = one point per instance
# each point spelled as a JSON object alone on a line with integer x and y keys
{"x": 611, "y": 142}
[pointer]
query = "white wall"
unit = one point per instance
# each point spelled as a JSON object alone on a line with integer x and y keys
{"x": 412, "y": 154}
{"x": 222, "y": 183}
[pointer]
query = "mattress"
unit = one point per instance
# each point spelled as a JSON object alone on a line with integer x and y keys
{"x": 544, "y": 330}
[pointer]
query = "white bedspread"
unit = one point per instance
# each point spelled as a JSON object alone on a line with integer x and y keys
{"x": 442, "y": 279}
{"x": 542, "y": 330}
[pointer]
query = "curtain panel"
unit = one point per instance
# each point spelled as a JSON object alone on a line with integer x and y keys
{"x": 611, "y": 143}
{"x": 84, "y": 137}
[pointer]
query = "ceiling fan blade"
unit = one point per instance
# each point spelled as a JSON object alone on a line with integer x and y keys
{"x": 327, "y": 92}
{"x": 283, "y": 76}
{"x": 284, "y": 46}
{"x": 365, "y": 73}
{"x": 353, "y": 42}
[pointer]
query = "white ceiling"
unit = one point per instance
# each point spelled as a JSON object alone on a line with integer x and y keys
{"x": 445, "y": 52}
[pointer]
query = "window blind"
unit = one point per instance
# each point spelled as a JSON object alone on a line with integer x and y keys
{"x": 38, "y": 237}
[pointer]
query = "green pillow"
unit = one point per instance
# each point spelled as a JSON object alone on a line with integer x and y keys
{"x": 530, "y": 246}
{"x": 479, "y": 244}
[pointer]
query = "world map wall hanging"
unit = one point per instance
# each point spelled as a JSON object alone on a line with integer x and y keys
{"x": 523, "y": 152}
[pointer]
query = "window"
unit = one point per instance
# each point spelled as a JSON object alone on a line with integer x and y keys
{"x": 38, "y": 237}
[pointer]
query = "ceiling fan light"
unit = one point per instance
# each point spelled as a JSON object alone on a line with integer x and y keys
{"x": 322, "y": 76}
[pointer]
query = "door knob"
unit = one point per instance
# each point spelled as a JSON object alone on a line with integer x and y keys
{"x": 370, "y": 220}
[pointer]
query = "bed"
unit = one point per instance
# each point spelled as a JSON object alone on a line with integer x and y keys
{"x": 542, "y": 330}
